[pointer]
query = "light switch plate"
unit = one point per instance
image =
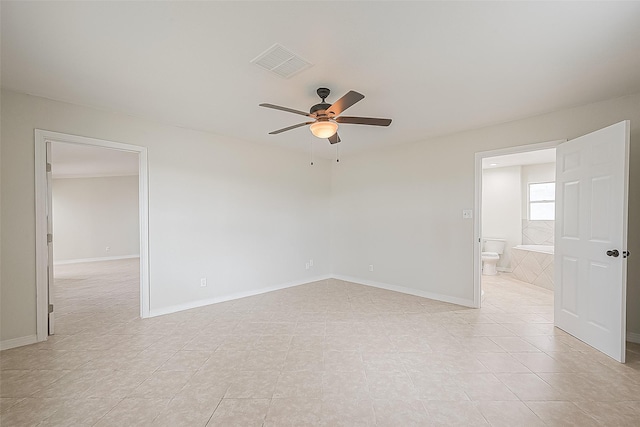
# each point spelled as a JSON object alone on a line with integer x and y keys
{"x": 467, "y": 214}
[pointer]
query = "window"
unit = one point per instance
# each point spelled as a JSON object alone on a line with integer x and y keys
{"x": 542, "y": 201}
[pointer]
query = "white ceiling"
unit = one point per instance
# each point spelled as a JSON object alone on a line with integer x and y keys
{"x": 433, "y": 67}
{"x": 81, "y": 161}
{"x": 520, "y": 159}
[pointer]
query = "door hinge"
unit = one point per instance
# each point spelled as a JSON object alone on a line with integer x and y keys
{"x": 48, "y": 167}
{"x": 626, "y": 254}
{"x": 49, "y": 237}
{"x": 50, "y": 308}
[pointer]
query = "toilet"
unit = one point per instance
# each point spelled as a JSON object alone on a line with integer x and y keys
{"x": 491, "y": 251}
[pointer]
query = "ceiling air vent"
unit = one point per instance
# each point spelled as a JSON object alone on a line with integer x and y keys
{"x": 281, "y": 61}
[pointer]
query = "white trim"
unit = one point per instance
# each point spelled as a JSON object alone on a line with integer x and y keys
{"x": 18, "y": 342}
{"x": 633, "y": 337}
{"x": 108, "y": 258}
{"x": 410, "y": 291}
{"x": 41, "y": 138}
{"x": 42, "y": 290}
{"x": 477, "y": 235}
{"x": 477, "y": 225}
{"x": 625, "y": 242}
{"x": 143, "y": 212}
{"x": 201, "y": 303}
{"x": 89, "y": 175}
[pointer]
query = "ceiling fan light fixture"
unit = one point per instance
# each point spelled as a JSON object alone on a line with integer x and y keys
{"x": 323, "y": 129}
{"x": 326, "y": 118}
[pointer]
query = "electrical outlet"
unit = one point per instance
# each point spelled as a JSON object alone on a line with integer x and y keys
{"x": 107, "y": 249}
{"x": 306, "y": 266}
{"x": 310, "y": 263}
{"x": 370, "y": 267}
{"x": 203, "y": 282}
{"x": 467, "y": 214}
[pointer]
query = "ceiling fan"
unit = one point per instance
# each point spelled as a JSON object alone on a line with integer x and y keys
{"x": 327, "y": 116}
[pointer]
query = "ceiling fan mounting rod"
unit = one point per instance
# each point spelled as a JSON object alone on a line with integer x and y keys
{"x": 320, "y": 110}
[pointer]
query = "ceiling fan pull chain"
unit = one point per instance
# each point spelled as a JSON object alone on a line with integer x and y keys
{"x": 337, "y": 153}
{"x": 311, "y": 151}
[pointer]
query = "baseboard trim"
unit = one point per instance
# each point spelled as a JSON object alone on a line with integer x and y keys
{"x": 438, "y": 297}
{"x": 633, "y": 337}
{"x": 18, "y": 342}
{"x": 201, "y": 303}
{"x": 108, "y": 258}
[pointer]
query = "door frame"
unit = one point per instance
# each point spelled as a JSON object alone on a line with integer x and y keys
{"x": 477, "y": 224}
{"x": 42, "y": 137}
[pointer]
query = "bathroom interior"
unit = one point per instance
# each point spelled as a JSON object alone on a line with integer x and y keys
{"x": 518, "y": 208}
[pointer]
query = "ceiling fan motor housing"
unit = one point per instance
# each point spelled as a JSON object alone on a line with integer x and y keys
{"x": 319, "y": 107}
{"x": 327, "y": 116}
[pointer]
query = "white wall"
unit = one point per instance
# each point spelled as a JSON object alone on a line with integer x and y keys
{"x": 502, "y": 208}
{"x": 91, "y": 214}
{"x": 243, "y": 215}
{"x": 250, "y": 216}
{"x": 401, "y": 208}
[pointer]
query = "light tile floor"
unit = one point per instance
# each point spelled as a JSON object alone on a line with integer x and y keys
{"x": 329, "y": 353}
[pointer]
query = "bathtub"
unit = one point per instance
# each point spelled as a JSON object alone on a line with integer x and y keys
{"x": 533, "y": 264}
{"x": 544, "y": 249}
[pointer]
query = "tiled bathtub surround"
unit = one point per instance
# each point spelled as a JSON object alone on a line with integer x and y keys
{"x": 533, "y": 267}
{"x": 537, "y": 232}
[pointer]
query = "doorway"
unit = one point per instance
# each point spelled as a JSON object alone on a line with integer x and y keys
{"x": 518, "y": 216}
{"x": 590, "y": 198}
{"x": 503, "y": 210}
{"x": 518, "y": 226}
{"x": 45, "y": 313}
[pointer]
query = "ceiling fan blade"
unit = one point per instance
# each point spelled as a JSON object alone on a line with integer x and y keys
{"x": 345, "y": 102}
{"x": 363, "y": 121}
{"x": 335, "y": 138}
{"x": 290, "y": 110}
{"x": 275, "y": 132}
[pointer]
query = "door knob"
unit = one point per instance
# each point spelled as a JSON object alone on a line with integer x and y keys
{"x": 614, "y": 253}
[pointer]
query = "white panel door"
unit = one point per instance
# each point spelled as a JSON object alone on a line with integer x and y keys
{"x": 591, "y": 238}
